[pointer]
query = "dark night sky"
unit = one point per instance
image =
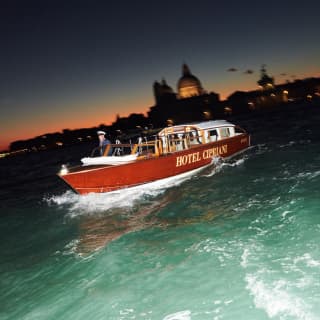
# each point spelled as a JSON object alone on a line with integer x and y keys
{"x": 72, "y": 64}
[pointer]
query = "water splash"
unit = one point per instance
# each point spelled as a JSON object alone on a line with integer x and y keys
{"x": 95, "y": 203}
{"x": 276, "y": 299}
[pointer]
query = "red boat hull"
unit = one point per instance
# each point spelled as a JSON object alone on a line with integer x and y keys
{"x": 110, "y": 178}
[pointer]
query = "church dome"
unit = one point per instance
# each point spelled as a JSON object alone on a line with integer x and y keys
{"x": 189, "y": 85}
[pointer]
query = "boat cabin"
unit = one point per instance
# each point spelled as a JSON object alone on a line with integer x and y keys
{"x": 185, "y": 136}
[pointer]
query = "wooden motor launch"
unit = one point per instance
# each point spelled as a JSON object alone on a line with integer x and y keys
{"x": 173, "y": 151}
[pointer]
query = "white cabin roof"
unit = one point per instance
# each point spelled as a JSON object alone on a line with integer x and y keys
{"x": 213, "y": 124}
{"x": 206, "y": 125}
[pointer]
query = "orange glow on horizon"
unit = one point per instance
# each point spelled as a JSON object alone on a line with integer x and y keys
{"x": 23, "y": 131}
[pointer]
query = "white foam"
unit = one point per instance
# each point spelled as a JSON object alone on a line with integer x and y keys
{"x": 234, "y": 164}
{"x": 289, "y": 144}
{"x": 285, "y": 213}
{"x": 181, "y": 315}
{"x": 91, "y": 203}
{"x": 308, "y": 260}
{"x": 309, "y": 175}
{"x": 244, "y": 258}
{"x": 276, "y": 300}
{"x": 220, "y": 163}
{"x": 126, "y": 312}
{"x": 216, "y": 169}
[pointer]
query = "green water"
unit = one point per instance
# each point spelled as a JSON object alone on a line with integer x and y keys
{"x": 240, "y": 241}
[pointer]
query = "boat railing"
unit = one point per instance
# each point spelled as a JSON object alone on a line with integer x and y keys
{"x": 146, "y": 148}
{"x": 178, "y": 144}
{"x": 122, "y": 149}
{"x": 112, "y": 149}
{"x": 118, "y": 149}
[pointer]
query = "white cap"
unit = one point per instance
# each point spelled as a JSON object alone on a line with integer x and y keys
{"x": 100, "y": 132}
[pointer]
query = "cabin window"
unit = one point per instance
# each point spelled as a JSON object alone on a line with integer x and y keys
{"x": 177, "y": 142}
{"x": 224, "y": 132}
{"x": 194, "y": 137}
{"x": 213, "y": 135}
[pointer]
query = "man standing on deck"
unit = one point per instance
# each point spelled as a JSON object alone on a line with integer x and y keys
{"x": 103, "y": 142}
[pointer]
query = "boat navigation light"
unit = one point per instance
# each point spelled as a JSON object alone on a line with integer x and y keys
{"x": 64, "y": 170}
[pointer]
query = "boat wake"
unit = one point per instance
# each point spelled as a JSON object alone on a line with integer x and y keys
{"x": 105, "y": 217}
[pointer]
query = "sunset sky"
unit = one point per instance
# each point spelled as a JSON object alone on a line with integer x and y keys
{"x": 74, "y": 64}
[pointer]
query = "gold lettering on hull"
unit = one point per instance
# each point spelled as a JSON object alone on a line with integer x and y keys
{"x": 197, "y": 156}
{"x": 188, "y": 158}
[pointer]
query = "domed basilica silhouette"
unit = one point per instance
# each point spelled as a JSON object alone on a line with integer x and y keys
{"x": 191, "y": 102}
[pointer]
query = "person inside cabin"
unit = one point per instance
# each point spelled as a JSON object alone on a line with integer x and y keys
{"x": 103, "y": 143}
{"x": 118, "y": 151}
{"x": 178, "y": 142}
{"x": 184, "y": 141}
{"x": 139, "y": 144}
{"x": 194, "y": 138}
